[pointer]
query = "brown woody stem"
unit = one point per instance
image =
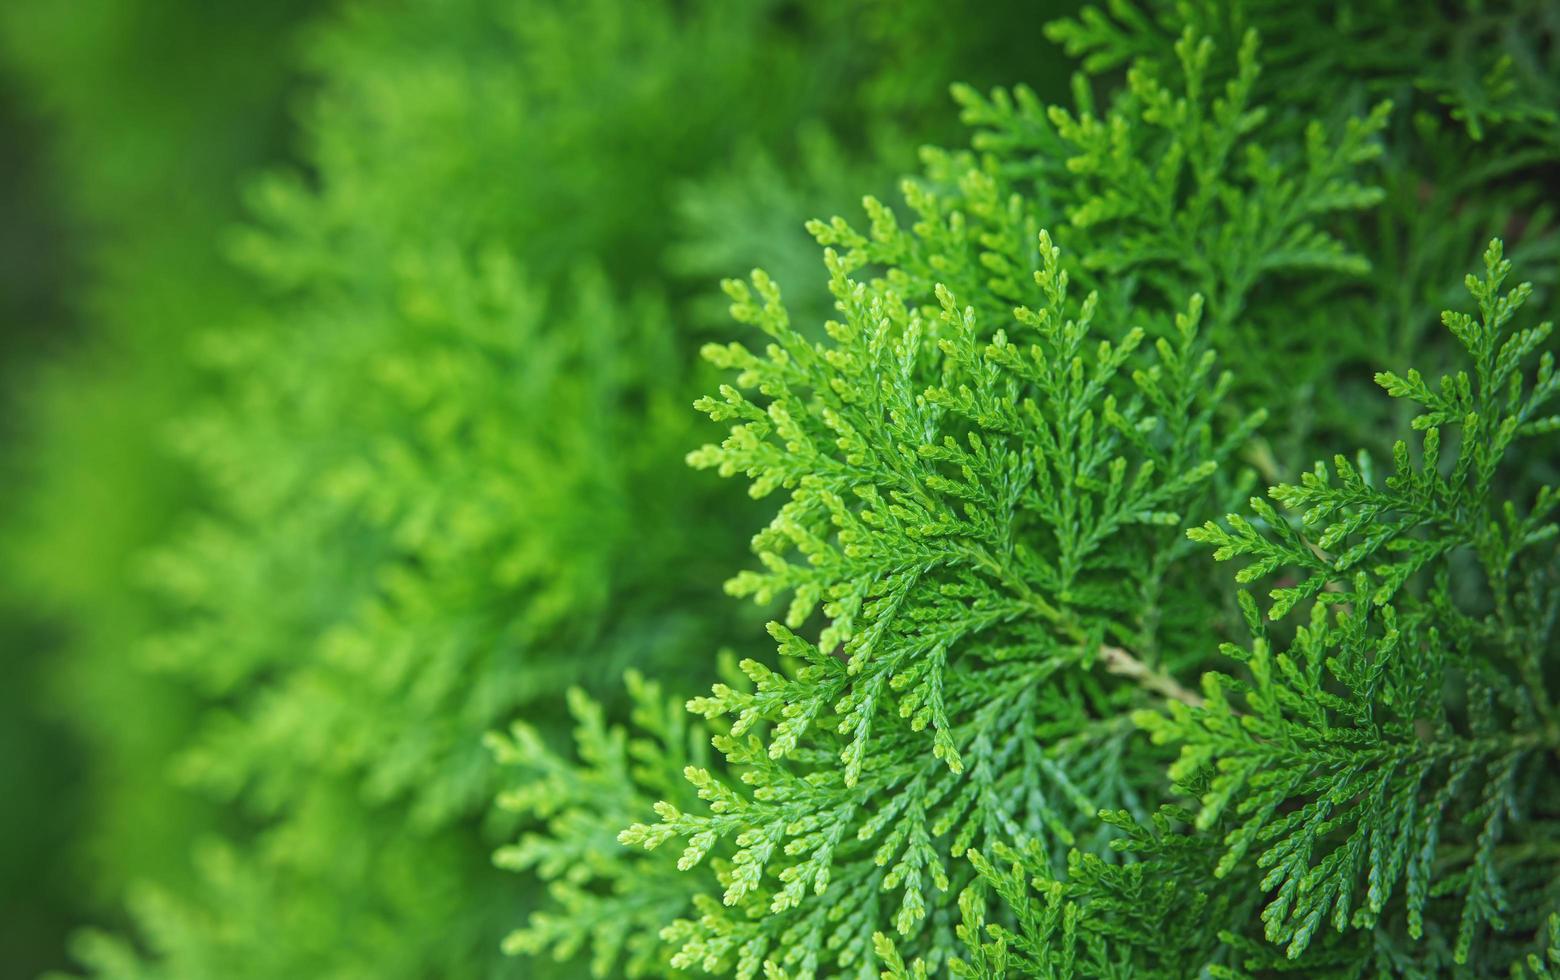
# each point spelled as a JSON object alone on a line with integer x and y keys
{"x": 1119, "y": 661}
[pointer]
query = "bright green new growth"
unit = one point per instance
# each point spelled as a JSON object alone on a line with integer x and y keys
{"x": 438, "y": 428}
{"x": 436, "y": 436}
{"x": 985, "y": 465}
{"x": 982, "y": 501}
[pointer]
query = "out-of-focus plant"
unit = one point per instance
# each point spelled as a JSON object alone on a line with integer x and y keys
{"x": 148, "y": 115}
{"x": 433, "y": 436}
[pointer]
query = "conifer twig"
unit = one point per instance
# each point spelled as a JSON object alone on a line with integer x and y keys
{"x": 1124, "y": 664}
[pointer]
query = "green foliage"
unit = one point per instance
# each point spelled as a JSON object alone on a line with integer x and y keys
{"x": 442, "y": 460}
{"x": 140, "y": 164}
{"x": 982, "y": 501}
{"x": 981, "y": 591}
{"x": 1546, "y": 964}
{"x": 1103, "y": 917}
{"x": 1383, "y": 773}
{"x": 1490, "y": 66}
{"x": 436, "y": 429}
{"x": 1400, "y": 743}
{"x": 437, "y": 422}
{"x": 615, "y": 906}
{"x": 1445, "y": 193}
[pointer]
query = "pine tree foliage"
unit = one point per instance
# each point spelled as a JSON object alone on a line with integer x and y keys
{"x": 981, "y": 502}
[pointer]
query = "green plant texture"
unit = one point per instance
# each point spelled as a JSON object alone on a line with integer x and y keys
{"x": 386, "y": 439}
{"x": 1148, "y": 562}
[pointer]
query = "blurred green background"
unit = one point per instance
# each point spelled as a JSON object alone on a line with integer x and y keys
{"x": 126, "y": 128}
{"x": 237, "y": 240}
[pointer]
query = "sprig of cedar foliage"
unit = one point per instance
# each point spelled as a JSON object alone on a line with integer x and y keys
{"x": 1447, "y": 189}
{"x": 978, "y": 643}
{"x": 618, "y": 907}
{"x": 1376, "y": 795}
{"x": 1489, "y": 65}
{"x": 1345, "y": 762}
{"x": 983, "y": 504}
{"x": 441, "y": 482}
{"x": 443, "y": 460}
